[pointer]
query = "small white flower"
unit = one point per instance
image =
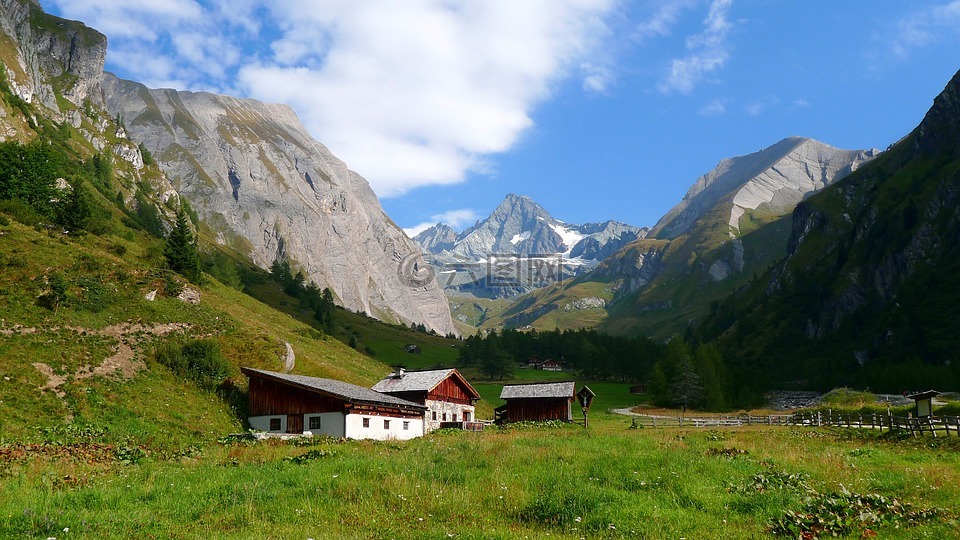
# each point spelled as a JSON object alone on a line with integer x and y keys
{"x": 577, "y": 519}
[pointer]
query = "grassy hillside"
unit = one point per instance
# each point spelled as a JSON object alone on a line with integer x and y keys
{"x": 104, "y": 314}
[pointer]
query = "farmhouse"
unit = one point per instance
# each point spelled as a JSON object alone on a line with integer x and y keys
{"x": 448, "y": 397}
{"x": 536, "y": 402}
{"x": 284, "y": 403}
{"x": 550, "y": 365}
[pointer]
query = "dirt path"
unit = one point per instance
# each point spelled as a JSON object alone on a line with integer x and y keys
{"x": 123, "y": 362}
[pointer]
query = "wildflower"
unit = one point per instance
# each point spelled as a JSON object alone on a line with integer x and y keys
{"x": 577, "y": 519}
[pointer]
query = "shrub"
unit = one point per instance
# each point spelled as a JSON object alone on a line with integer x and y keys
{"x": 197, "y": 359}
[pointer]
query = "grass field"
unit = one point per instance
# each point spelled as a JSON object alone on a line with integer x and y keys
{"x": 525, "y": 482}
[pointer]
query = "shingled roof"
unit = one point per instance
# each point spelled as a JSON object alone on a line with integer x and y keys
{"x": 541, "y": 390}
{"x": 343, "y": 390}
{"x": 419, "y": 381}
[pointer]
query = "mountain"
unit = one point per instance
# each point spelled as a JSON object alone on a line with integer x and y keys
{"x": 868, "y": 292}
{"x": 518, "y": 248}
{"x": 264, "y": 187}
{"x": 732, "y": 223}
{"x": 436, "y": 238}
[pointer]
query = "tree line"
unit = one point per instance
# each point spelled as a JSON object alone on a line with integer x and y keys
{"x": 309, "y": 294}
{"x": 675, "y": 373}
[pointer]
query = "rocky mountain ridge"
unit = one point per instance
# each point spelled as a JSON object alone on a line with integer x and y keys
{"x": 518, "y": 248}
{"x": 264, "y": 187}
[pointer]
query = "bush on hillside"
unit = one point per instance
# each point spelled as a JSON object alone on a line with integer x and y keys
{"x": 199, "y": 360}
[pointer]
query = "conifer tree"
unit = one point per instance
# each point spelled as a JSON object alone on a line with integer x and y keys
{"x": 181, "y": 249}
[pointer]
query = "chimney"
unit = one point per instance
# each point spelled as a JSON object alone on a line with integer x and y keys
{"x": 399, "y": 373}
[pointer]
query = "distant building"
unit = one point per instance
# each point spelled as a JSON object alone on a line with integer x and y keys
{"x": 284, "y": 403}
{"x": 445, "y": 393}
{"x": 550, "y": 365}
{"x": 534, "y": 361}
{"x": 413, "y": 349}
{"x": 536, "y": 402}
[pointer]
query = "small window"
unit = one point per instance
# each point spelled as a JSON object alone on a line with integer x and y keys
{"x": 366, "y": 422}
{"x": 434, "y": 416}
{"x": 386, "y": 424}
{"x": 274, "y": 424}
{"x": 444, "y": 417}
{"x": 454, "y": 417}
{"x": 314, "y": 422}
{"x": 466, "y": 416}
{"x": 406, "y": 426}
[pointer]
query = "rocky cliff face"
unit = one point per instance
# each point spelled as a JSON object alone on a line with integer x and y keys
{"x": 57, "y": 66}
{"x": 54, "y": 56}
{"x": 436, "y": 238}
{"x": 265, "y": 187}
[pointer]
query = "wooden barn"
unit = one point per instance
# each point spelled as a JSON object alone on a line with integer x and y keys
{"x": 536, "y": 402}
{"x": 450, "y": 400}
{"x": 284, "y": 403}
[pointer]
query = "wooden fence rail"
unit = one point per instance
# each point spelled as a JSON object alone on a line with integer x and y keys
{"x": 915, "y": 426}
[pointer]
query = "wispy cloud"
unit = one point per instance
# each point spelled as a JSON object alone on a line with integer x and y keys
{"x": 708, "y": 52}
{"x": 662, "y": 22}
{"x": 458, "y": 219}
{"x": 759, "y": 106}
{"x": 714, "y": 108}
{"x": 925, "y": 27}
{"x": 407, "y": 93}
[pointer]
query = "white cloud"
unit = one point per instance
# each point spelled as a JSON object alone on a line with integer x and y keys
{"x": 708, "y": 52}
{"x": 459, "y": 219}
{"x": 407, "y": 93}
{"x": 926, "y": 27}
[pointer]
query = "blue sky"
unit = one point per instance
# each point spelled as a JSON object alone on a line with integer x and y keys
{"x": 598, "y": 109}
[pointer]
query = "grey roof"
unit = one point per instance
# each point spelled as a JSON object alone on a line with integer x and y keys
{"x": 340, "y": 389}
{"x": 417, "y": 381}
{"x": 413, "y": 381}
{"x": 542, "y": 390}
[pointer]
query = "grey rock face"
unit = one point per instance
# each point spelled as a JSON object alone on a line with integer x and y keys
{"x": 437, "y": 238}
{"x": 268, "y": 189}
{"x": 779, "y": 177}
{"x": 67, "y": 52}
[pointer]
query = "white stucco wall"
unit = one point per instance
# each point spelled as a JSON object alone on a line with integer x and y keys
{"x": 331, "y": 423}
{"x": 355, "y": 429}
{"x": 262, "y": 423}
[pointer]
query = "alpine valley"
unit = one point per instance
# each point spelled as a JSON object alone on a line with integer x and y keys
{"x": 173, "y": 264}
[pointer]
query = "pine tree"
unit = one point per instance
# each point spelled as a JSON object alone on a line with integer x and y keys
{"x": 181, "y": 251}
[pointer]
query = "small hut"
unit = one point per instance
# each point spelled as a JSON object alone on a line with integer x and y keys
{"x": 536, "y": 402}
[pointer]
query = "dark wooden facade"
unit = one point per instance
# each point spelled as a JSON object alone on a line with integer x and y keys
{"x": 271, "y": 397}
{"x": 536, "y": 410}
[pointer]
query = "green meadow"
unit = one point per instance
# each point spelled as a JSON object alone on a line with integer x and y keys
{"x": 536, "y": 481}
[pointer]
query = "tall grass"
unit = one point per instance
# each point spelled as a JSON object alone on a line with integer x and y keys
{"x": 515, "y": 483}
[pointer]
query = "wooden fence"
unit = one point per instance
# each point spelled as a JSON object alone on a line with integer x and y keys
{"x": 915, "y": 426}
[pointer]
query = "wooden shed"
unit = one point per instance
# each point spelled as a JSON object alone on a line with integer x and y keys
{"x": 536, "y": 402}
{"x": 284, "y": 403}
{"x": 446, "y": 394}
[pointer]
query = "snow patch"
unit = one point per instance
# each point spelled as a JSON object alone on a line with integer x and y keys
{"x": 570, "y": 237}
{"x": 517, "y": 238}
